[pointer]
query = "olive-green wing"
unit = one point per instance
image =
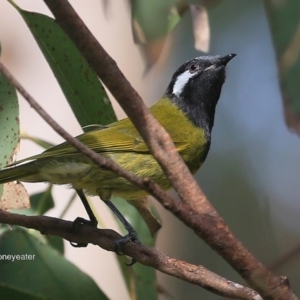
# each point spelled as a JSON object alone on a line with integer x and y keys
{"x": 120, "y": 136}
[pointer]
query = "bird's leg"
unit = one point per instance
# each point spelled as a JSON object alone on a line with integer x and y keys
{"x": 130, "y": 237}
{"x": 92, "y": 221}
{"x": 79, "y": 221}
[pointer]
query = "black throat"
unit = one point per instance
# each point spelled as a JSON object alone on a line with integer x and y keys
{"x": 198, "y": 101}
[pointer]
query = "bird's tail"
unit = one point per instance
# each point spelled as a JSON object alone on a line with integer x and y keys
{"x": 16, "y": 173}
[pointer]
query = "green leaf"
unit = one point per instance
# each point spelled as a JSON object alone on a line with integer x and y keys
{"x": 140, "y": 280}
{"x": 45, "y": 274}
{"x": 151, "y": 35}
{"x": 286, "y": 39}
{"x": 56, "y": 242}
{"x": 44, "y": 144}
{"x": 165, "y": 14}
{"x": 42, "y": 202}
{"x": 82, "y": 88}
{"x": 9, "y": 121}
{"x": 149, "y": 214}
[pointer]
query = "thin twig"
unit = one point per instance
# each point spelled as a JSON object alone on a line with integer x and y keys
{"x": 210, "y": 281}
{"x": 100, "y": 160}
{"x": 194, "y": 210}
{"x": 105, "y": 238}
{"x": 285, "y": 258}
{"x": 194, "y": 274}
{"x": 206, "y": 221}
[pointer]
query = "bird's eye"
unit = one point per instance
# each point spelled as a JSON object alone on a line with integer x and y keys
{"x": 193, "y": 68}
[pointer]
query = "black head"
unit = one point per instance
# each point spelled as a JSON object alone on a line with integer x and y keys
{"x": 196, "y": 86}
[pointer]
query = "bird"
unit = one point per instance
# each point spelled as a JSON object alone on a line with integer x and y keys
{"x": 186, "y": 110}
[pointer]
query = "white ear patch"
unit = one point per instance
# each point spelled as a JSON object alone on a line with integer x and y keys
{"x": 181, "y": 81}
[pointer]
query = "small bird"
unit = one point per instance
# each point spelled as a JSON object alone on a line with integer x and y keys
{"x": 186, "y": 111}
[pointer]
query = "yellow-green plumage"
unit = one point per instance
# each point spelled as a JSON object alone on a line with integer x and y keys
{"x": 121, "y": 142}
{"x": 186, "y": 111}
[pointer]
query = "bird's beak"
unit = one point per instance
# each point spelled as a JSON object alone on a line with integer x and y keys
{"x": 224, "y": 60}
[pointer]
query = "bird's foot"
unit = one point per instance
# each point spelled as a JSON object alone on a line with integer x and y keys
{"x": 79, "y": 222}
{"x": 130, "y": 237}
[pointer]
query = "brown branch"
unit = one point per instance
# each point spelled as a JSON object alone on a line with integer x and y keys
{"x": 101, "y": 161}
{"x": 195, "y": 210}
{"x": 285, "y": 258}
{"x": 156, "y": 137}
{"x": 105, "y": 238}
{"x": 194, "y": 274}
{"x": 204, "y": 219}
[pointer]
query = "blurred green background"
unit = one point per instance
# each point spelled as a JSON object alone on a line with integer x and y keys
{"x": 252, "y": 171}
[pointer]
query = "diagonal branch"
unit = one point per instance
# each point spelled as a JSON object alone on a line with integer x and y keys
{"x": 100, "y": 160}
{"x": 105, "y": 238}
{"x": 194, "y": 209}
